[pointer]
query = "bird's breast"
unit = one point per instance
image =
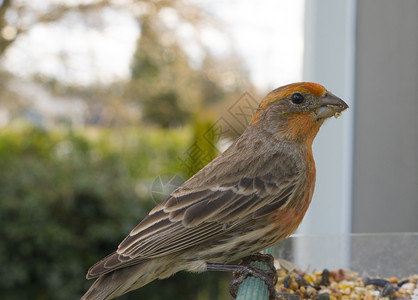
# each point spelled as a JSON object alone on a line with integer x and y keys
{"x": 288, "y": 218}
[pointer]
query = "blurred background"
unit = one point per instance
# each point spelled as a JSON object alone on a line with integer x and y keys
{"x": 108, "y": 105}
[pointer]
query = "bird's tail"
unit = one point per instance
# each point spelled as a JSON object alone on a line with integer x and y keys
{"x": 121, "y": 281}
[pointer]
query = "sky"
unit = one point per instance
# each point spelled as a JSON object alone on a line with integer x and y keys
{"x": 76, "y": 54}
{"x": 267, "y": 34}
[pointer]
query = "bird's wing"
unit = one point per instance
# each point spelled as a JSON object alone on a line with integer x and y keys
{"x": 191, "y": 216}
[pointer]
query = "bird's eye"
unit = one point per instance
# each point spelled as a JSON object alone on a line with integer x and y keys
{"x": 297, "y": 98}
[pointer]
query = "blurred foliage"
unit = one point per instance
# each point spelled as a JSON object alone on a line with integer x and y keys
{"x": 68, "y": 198}
{"x": 203, "y": 149}
{"x": 162, "y": 80}
{"x": 167, "y": 87}
{"x": 10, "y": 101}
{"x": 165, "y": 84}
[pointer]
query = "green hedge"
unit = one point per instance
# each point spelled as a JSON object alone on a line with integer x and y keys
{"x": 68, "y": 198}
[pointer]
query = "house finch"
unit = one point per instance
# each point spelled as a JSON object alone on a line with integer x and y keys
{"x": 247, "y": 199}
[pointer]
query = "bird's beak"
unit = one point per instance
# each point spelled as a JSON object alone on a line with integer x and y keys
{"x": 330, "y": 105}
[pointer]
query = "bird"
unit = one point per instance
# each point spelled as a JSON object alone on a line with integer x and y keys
{"x": 249, "y": 198}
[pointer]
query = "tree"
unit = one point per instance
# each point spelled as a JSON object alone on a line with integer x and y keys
{"x": 163, "y": 83}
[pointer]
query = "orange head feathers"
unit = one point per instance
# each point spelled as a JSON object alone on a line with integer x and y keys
{"x": 297, "y": 111}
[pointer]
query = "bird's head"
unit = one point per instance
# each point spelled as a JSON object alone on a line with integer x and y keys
{"x": 296, "y": 111}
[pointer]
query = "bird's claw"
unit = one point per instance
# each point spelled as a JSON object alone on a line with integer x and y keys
{"x": 268, "y": 258}
{"x": 268, "y": 276}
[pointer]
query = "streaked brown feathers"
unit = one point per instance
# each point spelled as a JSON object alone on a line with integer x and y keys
{"x": 191, "y": 216}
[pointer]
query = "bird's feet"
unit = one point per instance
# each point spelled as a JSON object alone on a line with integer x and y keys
{"x": 268, "y": 258}
{"x": 244, "y": 270}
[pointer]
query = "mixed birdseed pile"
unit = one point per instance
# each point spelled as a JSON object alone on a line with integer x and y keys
{"x": 343, "y": 285}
